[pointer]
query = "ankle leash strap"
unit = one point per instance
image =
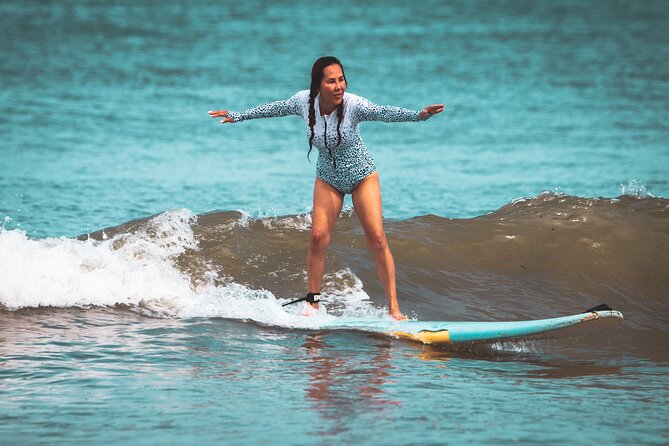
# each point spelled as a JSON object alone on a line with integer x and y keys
{"x": 312, "y": 298}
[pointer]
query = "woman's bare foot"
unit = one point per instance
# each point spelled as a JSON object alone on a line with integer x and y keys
{"x": 398, "y": 316}
{"x": 310, "y": 310}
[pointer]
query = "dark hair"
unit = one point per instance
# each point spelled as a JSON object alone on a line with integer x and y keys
{"x": 316, "y": 78}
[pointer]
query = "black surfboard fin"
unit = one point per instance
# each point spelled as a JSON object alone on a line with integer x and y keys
{"x": 600, "y": 307}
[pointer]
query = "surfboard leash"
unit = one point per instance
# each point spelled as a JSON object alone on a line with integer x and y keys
{"x": 310, "y": 297}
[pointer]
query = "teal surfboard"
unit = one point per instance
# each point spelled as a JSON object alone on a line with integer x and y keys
{"x": 437, "y": 332}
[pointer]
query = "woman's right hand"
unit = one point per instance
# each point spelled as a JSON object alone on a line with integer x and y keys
{"x": 430, "y": 111}
{"x": 221, "y": 114}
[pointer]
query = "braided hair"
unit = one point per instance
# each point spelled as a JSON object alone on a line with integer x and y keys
{"x": 316, "y": 78}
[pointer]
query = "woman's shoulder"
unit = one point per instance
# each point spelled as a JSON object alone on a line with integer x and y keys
{"x": 353, "y": 97}
{"x": 302, "y": 95}
{"x": 353, "y": 100}
{"x": 355, "y": 103}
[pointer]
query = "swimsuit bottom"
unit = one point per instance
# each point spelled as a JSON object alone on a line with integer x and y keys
{"x": 344, "y": 168}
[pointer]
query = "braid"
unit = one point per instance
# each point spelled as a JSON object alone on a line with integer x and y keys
{"x": 312, "y": 120}
{"x": 340, "y": 117}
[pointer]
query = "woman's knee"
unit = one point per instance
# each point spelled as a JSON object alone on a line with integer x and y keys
{"x": 320, "y": 239}
{"x": 377, "y": 241}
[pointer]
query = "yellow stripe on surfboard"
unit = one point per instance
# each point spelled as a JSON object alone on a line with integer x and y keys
{"x": 426, "y": 337}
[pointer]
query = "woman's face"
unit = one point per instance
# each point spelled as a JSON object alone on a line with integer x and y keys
{"x": 333, "y": 84}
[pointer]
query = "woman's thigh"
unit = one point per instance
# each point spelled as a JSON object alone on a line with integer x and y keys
{"x": 327, "y": 206}
{"x": 367, "y": 203}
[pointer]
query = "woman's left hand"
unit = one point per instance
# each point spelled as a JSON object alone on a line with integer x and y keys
{"x": 430, "y": 110}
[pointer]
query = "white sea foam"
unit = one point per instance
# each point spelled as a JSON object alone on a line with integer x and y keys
{"x": 270, "y": 220}
{"x": 139, "y": 270}
{"x": 529, "y": 346}
{"x": 126, "y": 269}
{"x": 347, "y": 297}
{"x": 635, "y": 188}
{"x": 300, "y": 222}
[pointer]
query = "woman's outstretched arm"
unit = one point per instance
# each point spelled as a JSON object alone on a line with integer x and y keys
{"x": 273, "y": 109}
{"x": 368, "y": 111}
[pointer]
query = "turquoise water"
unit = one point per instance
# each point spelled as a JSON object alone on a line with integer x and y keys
{"x": 103, "y": 120}
{"x": 135, "y": 381}
{"x": 104, "y": 109}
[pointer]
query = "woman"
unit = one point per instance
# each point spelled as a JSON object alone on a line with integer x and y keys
{"x": 344, "y": 165}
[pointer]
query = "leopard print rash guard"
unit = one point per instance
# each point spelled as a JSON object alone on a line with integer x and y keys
{"x": 345, "y": 165}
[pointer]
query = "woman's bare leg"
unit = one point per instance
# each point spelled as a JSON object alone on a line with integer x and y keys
{"x": 327, "y": 206}
{"x": 367, "y": 203}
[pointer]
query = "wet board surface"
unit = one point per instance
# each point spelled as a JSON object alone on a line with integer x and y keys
{"x": 442, "y": 332}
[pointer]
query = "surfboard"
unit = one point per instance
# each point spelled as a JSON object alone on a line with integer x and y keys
{"x": 442, "y": 332}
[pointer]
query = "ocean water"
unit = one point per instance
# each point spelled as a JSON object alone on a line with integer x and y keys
{"x": 145, "y": 248}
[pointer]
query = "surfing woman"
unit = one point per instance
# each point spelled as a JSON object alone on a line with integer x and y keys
{"x": 344, "y": 165}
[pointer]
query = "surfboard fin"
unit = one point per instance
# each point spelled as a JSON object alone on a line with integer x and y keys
{"x": 310, "y": 297}
{"x": 600, "y": 307}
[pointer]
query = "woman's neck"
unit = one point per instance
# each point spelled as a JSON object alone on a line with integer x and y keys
{"x": 326, "y": 108}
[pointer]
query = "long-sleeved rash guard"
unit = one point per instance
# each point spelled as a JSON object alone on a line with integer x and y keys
{"x": 345, "y": 165}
